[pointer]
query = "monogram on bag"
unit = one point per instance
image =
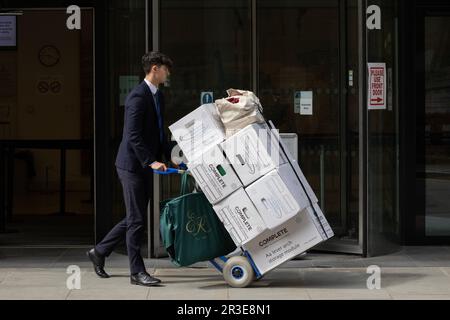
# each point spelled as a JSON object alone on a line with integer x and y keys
{"x": 197, "y": 225}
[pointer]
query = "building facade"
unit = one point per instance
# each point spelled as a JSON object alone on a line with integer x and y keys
{"x": 373, "y": 139}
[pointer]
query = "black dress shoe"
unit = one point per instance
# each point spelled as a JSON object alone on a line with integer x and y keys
{"x": 144, "y": 279}
{"x": 99, "y": 263}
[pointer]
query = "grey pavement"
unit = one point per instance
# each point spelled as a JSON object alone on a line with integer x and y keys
{"x": 410, "y": 274}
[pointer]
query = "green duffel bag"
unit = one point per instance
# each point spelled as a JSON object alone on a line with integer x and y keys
{"x": 190, "y": 229}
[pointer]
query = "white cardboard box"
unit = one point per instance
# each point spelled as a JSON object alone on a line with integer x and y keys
{"x": 240, "y": 217}
{"x": 278, "y": 196}
{"x": 198, "y": 131}
{"x": 319, "y": 220}
{"x": 305, "y": 183}
{"x": 299, "y": 234}
{"x": 293, "y": 161}
{"x": 253, "y": 152}
{"x": 214, "y": 175}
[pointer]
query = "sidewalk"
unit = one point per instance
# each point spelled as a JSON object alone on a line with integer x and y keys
{"x": 413, "y": 273}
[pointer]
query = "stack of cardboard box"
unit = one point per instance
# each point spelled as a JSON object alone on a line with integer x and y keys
{"x": 255, "y": 186}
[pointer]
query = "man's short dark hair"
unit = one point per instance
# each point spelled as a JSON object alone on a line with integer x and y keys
{"x": 155, "y": 58}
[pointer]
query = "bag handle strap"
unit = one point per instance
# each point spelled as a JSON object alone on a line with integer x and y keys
{"x": 186, "y": 183}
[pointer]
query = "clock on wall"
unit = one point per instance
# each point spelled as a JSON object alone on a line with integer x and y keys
{"x": 49, "y": 56}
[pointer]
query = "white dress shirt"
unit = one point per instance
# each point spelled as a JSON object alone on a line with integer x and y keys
{"x": 152, "y": 87}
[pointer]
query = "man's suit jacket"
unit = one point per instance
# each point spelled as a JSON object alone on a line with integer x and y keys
{"x": 141, "y": 145}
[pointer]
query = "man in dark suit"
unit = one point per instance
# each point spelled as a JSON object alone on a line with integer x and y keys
{"x": 143, "y": 145}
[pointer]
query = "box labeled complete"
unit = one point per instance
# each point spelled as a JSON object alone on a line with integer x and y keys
{"x": 240, "y": 217}
{"x": 275, "y": 247}
{"x": 214, "y": 175}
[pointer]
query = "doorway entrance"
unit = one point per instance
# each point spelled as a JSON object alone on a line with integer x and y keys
{"x": 46, "y": 129}
{"x": 432, "y": 224}
{"x": 310, "y": 50}
{"x": 281, "y": 50}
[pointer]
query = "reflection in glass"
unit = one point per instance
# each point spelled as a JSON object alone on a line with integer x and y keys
{"x": 437, "y": 125}
{"x": 210, "y": 44}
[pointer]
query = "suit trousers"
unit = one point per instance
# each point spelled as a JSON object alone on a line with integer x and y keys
{"x": 137, "y": 191}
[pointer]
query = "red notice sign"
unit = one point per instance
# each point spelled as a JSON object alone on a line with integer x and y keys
{"x": 377, "y": 86}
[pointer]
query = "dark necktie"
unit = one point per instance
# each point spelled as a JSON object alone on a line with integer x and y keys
{"x": 158, "y": 112}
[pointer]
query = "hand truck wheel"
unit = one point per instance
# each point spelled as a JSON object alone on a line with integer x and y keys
{"x": 238, "y": 272}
